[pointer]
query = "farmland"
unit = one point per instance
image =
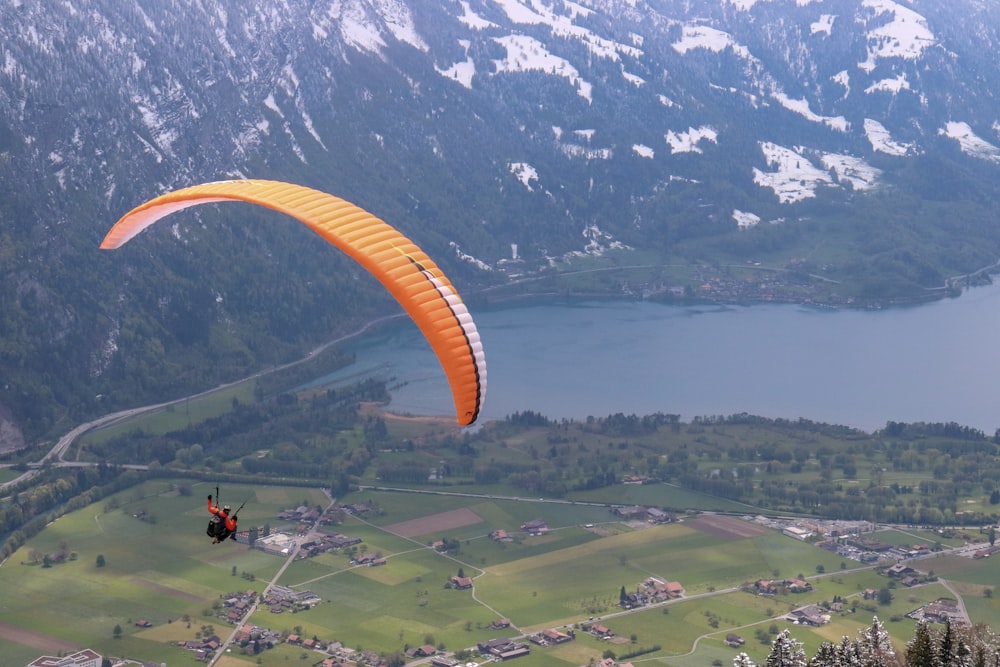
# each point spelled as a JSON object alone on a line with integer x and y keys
{"x": 163, "y": 570}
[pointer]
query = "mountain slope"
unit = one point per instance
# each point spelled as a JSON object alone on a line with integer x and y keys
{"x": 505, "y": 137}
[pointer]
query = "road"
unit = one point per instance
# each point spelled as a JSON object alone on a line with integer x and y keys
{"x": 274, "y": 580}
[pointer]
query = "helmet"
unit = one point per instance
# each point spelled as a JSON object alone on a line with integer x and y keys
{"x": 225, "y": 508}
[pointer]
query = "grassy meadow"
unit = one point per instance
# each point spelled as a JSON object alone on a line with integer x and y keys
{"x": 164, "y": 570}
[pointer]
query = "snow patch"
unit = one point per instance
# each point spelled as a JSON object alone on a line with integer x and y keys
{"x": 801, "y": 107}
{"x": 745, "y": 220}
{"x": 853, "y": 170}
{"x": 687, "y": 142}
{"x": 970, "y": 143}
{"x": 643, "y": 151}
{"x": 823, "y": 25}
{"x": 525, "y": 173}
{"x": 889, "y": 85}
{"x": 882, "y": 141}
{"x": 472, "y": 19}
{"x": 905, "y": 36}
{"x": 794, "y": 177}
{"x": 527, "y": 54}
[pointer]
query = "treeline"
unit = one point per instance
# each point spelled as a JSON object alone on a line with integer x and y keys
{"x": 779, "y": 464}
{"x": 296, "y": 436}
{"x": 950, "y": 646}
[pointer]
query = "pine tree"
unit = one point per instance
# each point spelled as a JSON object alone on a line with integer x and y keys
{"x": 920, "y": 649}
{"x": 743, "y": 660}
{"x": 875, "y": 646}
{"x": 786, "y": 652}
{"x": 849, "y": 653}
{"x": 946, "y": 646}
{"x": 827, "y": 655}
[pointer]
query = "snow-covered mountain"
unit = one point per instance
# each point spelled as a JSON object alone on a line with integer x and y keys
{"x": 505, "y": 136}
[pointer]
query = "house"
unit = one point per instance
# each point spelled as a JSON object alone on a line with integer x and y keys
{"x": 765, "y": 587}
{"x": 630, "y": 511}
{"x": 942, "y": 611}
{"x": 900, "y": 570}
{"x": 84, "y": 658}
{"x": 552, "y": 636}
{"x": 536, "y": 527}
{"x": 500, "y": 535}
{"x": 870, "y": 594}
{"x": 797, "y": 532}
{"x": 499, "y": 624}
{"x": 808, "y": 615}
{"x": 503, "y": 648}
{"x": 734, "y": 640}
{"x": 656, "y": 515}
{"x": 601, "y": 631}
{"x": 421, "y": 651}
{"x": 674, "y": 589}
{"x": 461, "y": 583}
{"x": 661, "y": 590}
{"x": 443, "y": 661}
{"x": 798, "y": 586}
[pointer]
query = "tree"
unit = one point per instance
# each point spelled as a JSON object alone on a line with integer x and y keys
{"x": 920, "y": 649}
{"x": 827, "y": 655}
{"x": 884, "y": 596}
{"x": 100, "y": 560}
{"x": 117, "y": 632}
{"x": 622, "y": 596}
{"x": 786, "y": 652}
{"x": 743, "y": 660}
{"x": 875, "y": 646}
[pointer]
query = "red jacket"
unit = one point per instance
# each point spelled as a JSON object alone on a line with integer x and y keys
{"x": 221, "y": 513}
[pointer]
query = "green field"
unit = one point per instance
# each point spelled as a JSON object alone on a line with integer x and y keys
{"x": 165, "y": 571}
{"x": 177, "y": 415}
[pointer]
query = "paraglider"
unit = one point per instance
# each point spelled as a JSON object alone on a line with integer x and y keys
{"x": 223, "y": 523}
{"x": 416, "y": 282}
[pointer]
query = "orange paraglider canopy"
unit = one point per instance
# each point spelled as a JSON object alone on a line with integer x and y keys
{"x": 416, "y": 282}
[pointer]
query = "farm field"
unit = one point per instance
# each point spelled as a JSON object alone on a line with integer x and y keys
{"x": 160, "y": 567}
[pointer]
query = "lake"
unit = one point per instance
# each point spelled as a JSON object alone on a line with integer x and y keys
{"x": 938, "y": 362}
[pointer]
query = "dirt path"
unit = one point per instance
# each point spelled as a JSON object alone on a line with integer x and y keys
{"x": 36, "y": 640}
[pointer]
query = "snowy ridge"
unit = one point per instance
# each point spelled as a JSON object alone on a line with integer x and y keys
{"x": 665, "y": 88}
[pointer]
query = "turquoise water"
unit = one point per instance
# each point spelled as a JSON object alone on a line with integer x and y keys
{"x": 937, "y": 363}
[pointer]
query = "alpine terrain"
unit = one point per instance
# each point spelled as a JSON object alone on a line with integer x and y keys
{"x": 838, "y": 151}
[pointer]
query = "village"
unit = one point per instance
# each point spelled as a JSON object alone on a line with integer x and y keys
{"x": 306, "y": 532}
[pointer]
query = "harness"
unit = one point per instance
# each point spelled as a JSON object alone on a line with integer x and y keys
{"x": 217, "y": 524}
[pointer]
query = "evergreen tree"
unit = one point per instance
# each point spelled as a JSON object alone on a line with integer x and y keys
{"x": 849, "y": 653}
{"x": 786, "y": 652}
{"x": 827, "y": 655}
{"x": 920, "y": 649}
{"x": 743, "y": 660}
{"x": 875, "y": 646}
{"x": 946, "y": 646}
